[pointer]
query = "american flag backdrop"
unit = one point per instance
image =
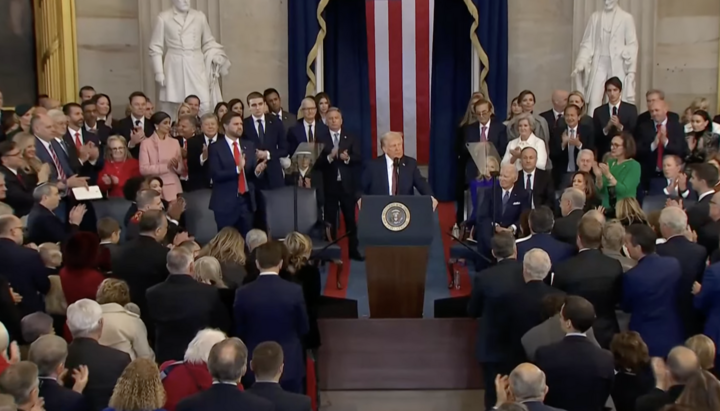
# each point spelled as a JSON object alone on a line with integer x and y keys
{"x": 399, "y": 36}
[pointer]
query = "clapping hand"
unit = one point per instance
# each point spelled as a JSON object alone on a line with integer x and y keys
{"x": 565, "y": 139}
{"x": 81, "y": 376}
{"x": 344, "y": 156}
{"x": 205, "y": 153}
{"x": 115, "y": 180}
{"x": 260, "y": 167}
{"x": 261, "y": 154}
{"x": 696, "y": 288}
{"x": 44, "y": 173}
{"x": 93, "y": 151}
{"x": 77, "y": 213}
{"x": 604, "y": 169}
{"x": 173, "y": 163}
{"x": 136, "y": 137}
{"x": 502, "y": 390}
{"x": 106, "y": 179}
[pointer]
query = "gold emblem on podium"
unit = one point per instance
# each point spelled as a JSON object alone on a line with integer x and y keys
{"x": 396, "y": 217}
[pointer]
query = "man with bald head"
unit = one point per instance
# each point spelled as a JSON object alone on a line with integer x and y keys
{"x": 553, "y": 116}
{"x": 651, "y": 97}
{"x": 671, "y": 377}
{"x": 527, "y": 385}
{"x": 49, "y": 151}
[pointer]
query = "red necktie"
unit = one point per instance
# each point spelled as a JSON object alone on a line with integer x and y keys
{"x": 395, "y": 180}
{"x": 483, "y": 134}
{"x": 660, "y": 147}
{"x": 78, "y": 141}
{"x": 60, "y": 172}
{"x": 242, "y": 185}
{"x": 185, "y": 172}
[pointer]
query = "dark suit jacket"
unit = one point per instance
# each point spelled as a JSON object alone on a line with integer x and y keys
{"x": 692, "y": 259}
{"x": 561, "y": 156}
{"x": 496, "y": 134}
{"x": 102, "y": 131}
{"x": 283, "y": 400}
{"x": 274, "y": 142}
{"x": 104, "y": 364}
{"x": 648, "y": 292}
{"x": 45, "y": 227}
{"x": 546, "y": 333}
{"x": 579, "y": 374}
{"x": 523, "y": 311}
{"x": 59, "y": 398}
{"x": 553, "y": 122}
{"x": 180, "y": 307}
{"x": 629, "y": 387}
{"x": 273, "y": 309}
{"x": 597, "y": 278}
{"x": 199, "y": 175}
{"x": 224, "y": 397}
{"x": 491, "y": 210}
{"x": 45, "y": 156}
{"x": 656, "y": 399}
{"x": 288, "y": 120}
{"x": 24, "y": 270}
{"x": 543, "y": 192}
{"x": 225, "y": 176}
{"x": 645, "y": 135}
{"x": 125, "y": 128}
{"x": 490, "y": 288}
{"x": 375, "y": 178}
{"x": 10, "y": 314}
{"x": 20, "y": 189}
{"x": 627, "y": 113}
{"x": 347, "y": 171}
{"x": 565, "y": 228}
{"x": 85, "y": 169}
{"x": 539, "y": 406}
{"x": 142, "y": 264}
{"x": 699, "y": 214}
{"x": 556, "y": 249}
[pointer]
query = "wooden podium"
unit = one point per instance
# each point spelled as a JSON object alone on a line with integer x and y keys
{"x": 396, "y": 232}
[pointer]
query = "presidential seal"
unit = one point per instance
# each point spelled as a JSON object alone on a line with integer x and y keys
{"x": 396, "y": 217}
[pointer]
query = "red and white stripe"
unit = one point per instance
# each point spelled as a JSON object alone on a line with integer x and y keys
{"x": 400, "y": 58}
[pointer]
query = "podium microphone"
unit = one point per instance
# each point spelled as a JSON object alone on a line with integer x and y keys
{"x": 335, "y": 241}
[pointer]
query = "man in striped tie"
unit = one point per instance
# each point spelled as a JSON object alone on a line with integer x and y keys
{"x": 234, "y": 169}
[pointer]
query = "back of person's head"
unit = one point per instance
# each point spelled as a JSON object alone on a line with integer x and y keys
{"x": 578, "y": 313}
{"x": 300, "y": 247}
{"x": 267, "y": 361}
{"x": 630, "y": 351}
{"x": 706, "y": 173}
{"x": 82, "y": 251}
{"x": 180, "y": 261}
{"x": 106, "y": 227}
{"x": 228, "y": 360}
{"x": 227, "y": 246}
{"x": 50, "y": 254}
{"x": 527, "y": 383}
{"x": 613, "y": 235}
{"x": 541, "y": 220}
{"x": 35, "y": 325}
{"x": 84, "y": 319}
{"x": 642, "y": 236}
{"x": 48, "y": 352}
{"x": 536, "y": 265}
{"x": 701, "y": 392}
{"x": 198, "y": 351}
{"x": 589, "y": 233}
{"x": 551, "y": 305}
{"x": 209, "y": 271}
{"x": 20, "y": 380}
{"x": 138, "y": 388}
{"x": 682, "y": 363}
{"x": 131, "y": 188}
{"x": 672, "y": 221}
{"x": 704, "y": 348}
{"x": 503, "y": 245}
{"x": 146, "y": 198}
{"x": 113, "y": 290}
{"x": 574, "y": 197}
{"x": 151, "y": 221}
{"x": 7, "y": 403}
{"x": 594, "y": 214}
{"x": 269, "y": 255}
{"x": 255, "y": 238}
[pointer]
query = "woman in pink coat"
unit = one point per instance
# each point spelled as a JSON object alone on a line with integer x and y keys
{"x": 160, "y": 156}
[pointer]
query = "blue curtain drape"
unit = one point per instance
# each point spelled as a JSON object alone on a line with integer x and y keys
{"x": 346, "y": 67}
{"x": 303, "y": 28}
{"x": 493, "y": 34}
{"x": 450, "y": 90}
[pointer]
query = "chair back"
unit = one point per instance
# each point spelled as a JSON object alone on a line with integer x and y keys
{"x": 199, "y": 219}
{"x": 279, "y": 212}
{"x": 115, "y": 208}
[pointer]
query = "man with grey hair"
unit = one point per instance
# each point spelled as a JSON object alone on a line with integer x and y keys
{"x": 21, "y": 382}
{"x": 104, "y": 364}
{"x": 613, "y": 237}
{"x": 150, "y": 199}
{"x": 227, "y": 364}
{"x": 572, "y": 203}
{"x": 527, "y": 385}
{"x": 255, "y": 238}
{"x": 541, "y": 223}
{"x": 49, "y": 353}
{"x": 36, "y": 325}
{"x": 585, "y": 159}
{"x": 44, "y": 225}
{"x": 180, "y": 306}
{"x": 670, "y": 379}
{"x": 653, "y": 96}
{"x": 596, "y": 215}
{"x": 692, "y": 256}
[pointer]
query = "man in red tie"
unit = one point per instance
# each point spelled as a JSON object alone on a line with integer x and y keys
{"x": 234, "y": 168}
{"x": 655, "y": 139}
{"x": 85, "y": 159}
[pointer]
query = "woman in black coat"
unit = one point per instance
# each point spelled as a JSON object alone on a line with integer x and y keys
{"x": 307, "y": 275}
{"x": 634, "y": 376}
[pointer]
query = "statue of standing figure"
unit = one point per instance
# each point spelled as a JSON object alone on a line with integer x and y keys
{"x": 609, "y": 48}
{"x": 193, "y": 61}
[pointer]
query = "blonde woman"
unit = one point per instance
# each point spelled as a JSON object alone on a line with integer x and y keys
{"x": 704, "y": 348}
{"x": 139, "y": 388}
{"x": 526, "y": 126}
{"x": 25, "y": 142}
{"x": 306, "y": 274}
{"x": 122, "y": 330}
{"x": 118, "y": 168}
{"x": 228, "y": 247}
{"x": 629, "y": 212}
{"x": 209, "y": 271}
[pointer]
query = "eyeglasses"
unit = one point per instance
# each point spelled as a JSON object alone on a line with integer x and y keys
{"x": 616, "y": 145}
{"x": 117, "y": 148}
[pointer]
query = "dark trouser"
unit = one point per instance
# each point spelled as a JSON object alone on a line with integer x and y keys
{"x": 338, "y": 199}
{"x": 239, "y": 216}
{"x": 489, "y": 371}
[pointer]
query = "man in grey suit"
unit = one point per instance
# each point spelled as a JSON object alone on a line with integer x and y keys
{"x": 549, "y": 331}
{"x": 274, "y": 103}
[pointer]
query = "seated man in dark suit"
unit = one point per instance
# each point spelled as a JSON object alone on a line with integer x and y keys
{"x": 682, "y": 364}
{"x": 527, "y": 385}
{"x": 675, "y": 183}
{"x": 49, "y": 353}
{"x": 227, "y": 364}
{"x": 657, "y": 138}
{"x": 541, "y": 222}
{"x": 572, "y": 203}
{"x": 19, "y": 184}
{"x": 394, "y": 173}
{"x": 579, "y": 374}
{"x": 537, "y": 183}
{"x": 46, "y": 227}
{"x": 104, "y": 364}
{"x": 267, "y": 364}
{"x": 181, "y": 306}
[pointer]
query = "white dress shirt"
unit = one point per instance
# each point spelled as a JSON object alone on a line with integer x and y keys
{"x": 703, "y": 195}
{"x": 257, "y": 121}
{"x": 307, "y": 128}
{"x": 135, "y": 122}
{"x": 486, "y": 128}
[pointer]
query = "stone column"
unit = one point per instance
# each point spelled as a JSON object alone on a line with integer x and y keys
{"x": 147, "y": 13}
{"x": 644, "y": 13}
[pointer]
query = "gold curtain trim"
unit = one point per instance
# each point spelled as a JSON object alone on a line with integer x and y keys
{"x": 478, "y": 48}
{"x": 312, "y": 79}
{"x": 717, "y": 108}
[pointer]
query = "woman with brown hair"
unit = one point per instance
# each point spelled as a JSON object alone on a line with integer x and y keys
{"x": 621, "y": 173}
{"x": 122, "y": 329}
{"x": 634, "y": 375}
{"x": 322, "y": 101}
{"x": 701, "y": 393}
{"x": 629, "y": 212}
{"x": 515, "y": 109}
{"x": 228, "y": 247}
{"x": 306, "y": 274}
{"x": 139, "y": 388}
{"x": 584, "y": 182}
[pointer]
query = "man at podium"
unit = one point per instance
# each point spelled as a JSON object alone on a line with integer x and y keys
{"x": 394, "y": 173}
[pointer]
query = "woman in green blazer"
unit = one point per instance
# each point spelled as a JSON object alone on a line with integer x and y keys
{"x": 621, "y": 173}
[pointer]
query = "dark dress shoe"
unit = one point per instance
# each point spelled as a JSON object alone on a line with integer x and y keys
{"x": 356, "y": 256}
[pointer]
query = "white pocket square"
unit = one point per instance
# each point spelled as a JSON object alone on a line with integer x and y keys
{"x": 516, "y": 203}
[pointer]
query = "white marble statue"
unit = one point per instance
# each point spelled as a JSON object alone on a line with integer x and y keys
{"x": 193, "y": 61}
{"x": 609, "y": 48}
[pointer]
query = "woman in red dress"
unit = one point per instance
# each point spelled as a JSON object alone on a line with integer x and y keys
{"x": 119, "y": 167}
